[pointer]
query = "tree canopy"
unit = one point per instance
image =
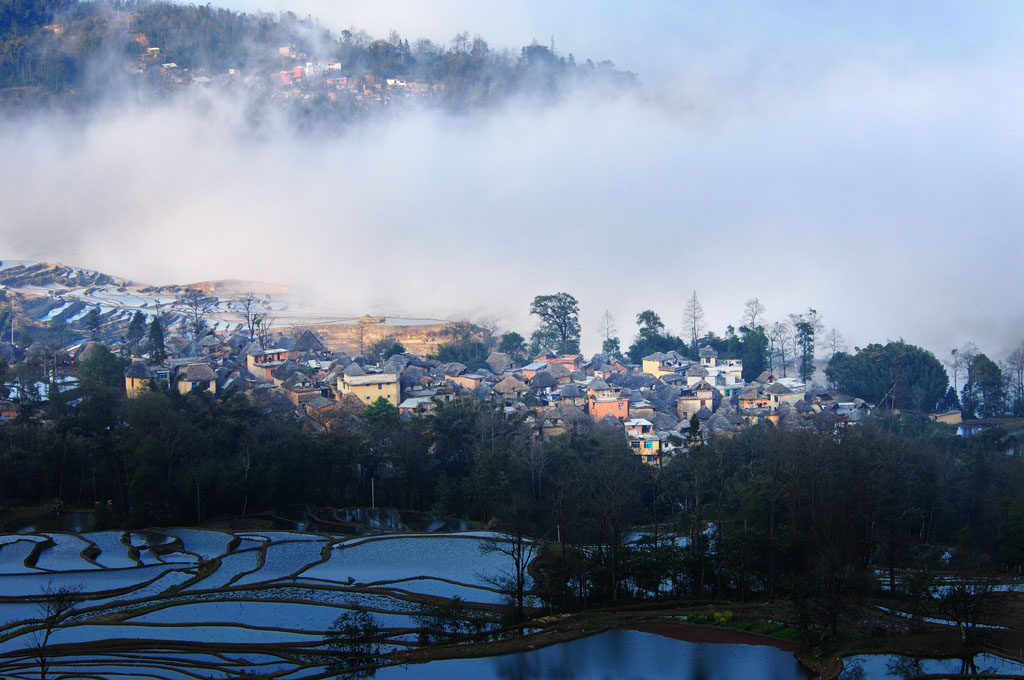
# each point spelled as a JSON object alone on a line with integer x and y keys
{"x": 559, "y": 328}
{"x": 466, "y": 349}
{"x": 894, "y": 375}
{"x": 754, "y": 351}
{"x": 651, "y": 337}
{"x": 103, "y": 368}
{"x": 984, "y": 394}
{"x": 137, "y": 326}
{"x": 514, "y": 345}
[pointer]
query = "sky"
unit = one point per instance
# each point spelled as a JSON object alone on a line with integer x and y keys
{"x": 860, "y": 158}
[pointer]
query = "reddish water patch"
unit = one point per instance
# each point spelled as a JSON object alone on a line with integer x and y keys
{"x": 690, "y": 633}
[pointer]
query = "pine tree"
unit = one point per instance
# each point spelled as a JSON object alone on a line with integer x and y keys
{"x": 137, "y": 327}
{"x": 92, "y": 322}
{"x": 157, "y": 352}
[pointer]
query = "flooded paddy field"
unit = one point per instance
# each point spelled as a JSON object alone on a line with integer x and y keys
{"x": 174, "y": 603}
{"x": 170, "y": 603}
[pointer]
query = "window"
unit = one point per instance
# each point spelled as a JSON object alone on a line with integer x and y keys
{"x": 379, "y": 386}
{"x": 648, "y": 445}
{"x": 620, "y": 405}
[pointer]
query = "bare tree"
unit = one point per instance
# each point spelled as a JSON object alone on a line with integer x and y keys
{"x": 53, "y": 607}
{"x": 812, "y": 317}
{"x": 607, "y": 327}
{"x": 753, "y": 310}
{"x": 954, "y": 365}
{"x": 521, "y": 550}
{"x": 490, "y": 324}
{"x": 804, "y": 329}
{"x": 265, "y": 323}
{"x": 1015, "y": 369}
{"x": 197, "y": 306}
{"x": 794, "y": 348}
{"x": 966, "y": 598}
{"x": 834, "y": 342}
{"x": 362, "y": 340}
{"x": 251, "y": 310}
{"x": 693, "y": 320}
{"x": 780, "y": 339}
{"x": 460, "y": 43}
{"x": 960, "y": 361}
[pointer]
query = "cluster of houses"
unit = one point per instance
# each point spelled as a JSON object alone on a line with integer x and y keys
{"x": 301, "y": 79}
{"x": 654, "y": 404}
{"x": 326, "y": 79}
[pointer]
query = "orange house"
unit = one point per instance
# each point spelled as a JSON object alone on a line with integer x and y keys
{"x": 469, "y": 381}
{"x": 263, "y": 363}
{"x": 8, "y": 410}
{"x": 605, "y": 400}
{"x": 574, "y": 362}
{"x": 754, "y": 400}
{"x": 618, "y": 408}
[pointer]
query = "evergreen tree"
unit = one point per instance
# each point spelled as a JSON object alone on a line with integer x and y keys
{"x": 92, "y": 322}
{"x": 651, "y": 337}
{"x": 381, "y": 414}
{"x": 102, "y": 369}
{"x": 137, "y": 327}
{"x": 610, "y": 348}
{"x": 514, "y": 345}
{"x": 950, "y": 402}
{"x": 803, "y": 331}
{"x": 559, "y": 322}
{"x": 984, "y": 395}
{"x": 157, "y": 351}
{"x": 754, "y": 352}
{"x": 895, "y": 375}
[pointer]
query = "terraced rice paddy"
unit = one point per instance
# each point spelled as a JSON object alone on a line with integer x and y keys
{"x": 187, "y": 603}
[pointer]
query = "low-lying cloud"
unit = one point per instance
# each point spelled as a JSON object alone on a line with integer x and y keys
{"x": 886, "y": 195}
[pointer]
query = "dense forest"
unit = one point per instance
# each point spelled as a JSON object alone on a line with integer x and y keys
{"x": 87, "y": 48}
{"x": 767, "y": 513}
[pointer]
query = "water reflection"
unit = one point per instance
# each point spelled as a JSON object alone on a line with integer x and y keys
{"x": 620, "y": 655}
{"x": 74, "y": 522}
{"x": 362, "y": 521}
{"x": 892, "y": 666}
{"x": 904, "y": 667}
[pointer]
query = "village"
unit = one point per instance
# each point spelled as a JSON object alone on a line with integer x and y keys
{"x": 328, "y": 375}
{"x": 655, "y": 404}
{"x": 302, "y": 79}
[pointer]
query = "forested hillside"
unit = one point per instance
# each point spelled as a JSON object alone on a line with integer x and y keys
{"x": 90, "y": 48}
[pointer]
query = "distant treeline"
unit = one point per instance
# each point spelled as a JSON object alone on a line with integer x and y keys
{"x": 73, "y": 45}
